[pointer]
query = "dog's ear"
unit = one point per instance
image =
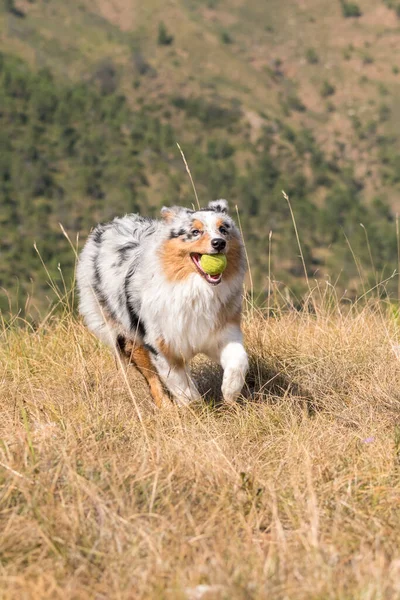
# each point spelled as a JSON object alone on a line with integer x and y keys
{"x": 220, "y": 205}
{"x": 170, "y": 212}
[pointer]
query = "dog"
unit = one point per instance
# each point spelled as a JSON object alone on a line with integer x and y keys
{"x": 144, "y": 292}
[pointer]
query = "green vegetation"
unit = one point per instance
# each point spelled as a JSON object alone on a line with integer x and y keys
{"x": 164, "y": 37}
{"x": 350, "y": 9}
{"x": 9, "y": 6}
{"x": 367, "y": 58}
{"x": 327, "y": 89}
{"x": 226, "y": 37}
{"x": 348, "y": 52}
{"x": 89, "y": 128}
{"x": 393, "y": 4}
{"x": 312, "y": 56}
{"x": 75, "y": 155}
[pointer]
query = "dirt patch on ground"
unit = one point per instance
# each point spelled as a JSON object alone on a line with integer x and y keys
{"x": 382, "y": 16}
{"x": 256, "y": 123}
{"x": 222, "y": 17}
{"x": 118, "y": 12}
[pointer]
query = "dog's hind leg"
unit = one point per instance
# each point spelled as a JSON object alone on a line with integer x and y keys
{"x": 177, "y": 379}
{"x": 140, "y": 357}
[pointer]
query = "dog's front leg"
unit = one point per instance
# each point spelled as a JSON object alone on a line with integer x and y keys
{"x": 234, "y": 361}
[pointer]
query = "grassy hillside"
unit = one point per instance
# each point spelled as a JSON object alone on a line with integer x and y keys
{"x": 293, "y": 494}
{"x": 262, "y": 97}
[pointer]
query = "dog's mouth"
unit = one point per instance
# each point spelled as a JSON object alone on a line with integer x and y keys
{"x": 211, "y": 279}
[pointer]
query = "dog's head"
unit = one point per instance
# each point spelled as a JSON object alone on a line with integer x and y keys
{"x": 192, "y": 233}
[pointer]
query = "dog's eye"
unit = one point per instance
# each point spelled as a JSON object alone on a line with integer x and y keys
{"x": 196, "y": 232}
{"x": 223, "y": 231}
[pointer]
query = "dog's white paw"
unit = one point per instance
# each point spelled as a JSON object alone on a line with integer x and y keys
{"x": 233, "y": 383}
{"x": 235, "y": 363}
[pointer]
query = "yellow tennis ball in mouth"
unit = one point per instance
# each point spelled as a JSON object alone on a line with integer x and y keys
{"x": 213, "y": 264}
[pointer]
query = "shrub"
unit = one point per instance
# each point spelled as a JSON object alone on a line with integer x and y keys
{"x": 382, "y": 89}
{"x": 212, "y": 113}
{"x": 327, "y": 89}
{"x": 294, "y": 102}
{"x": 346, "y": 54}
{"x": 219, "y": 149}
{"x": 393, "y": 5}
{"x": 140, "y": 64}
{"x": 384, "y": 112}
{"x": 9, "y": 6}
{"x": 312, "y": 56}
{"x": 106, "y": 77}
{"x": 350, "y": 9}
{"x": 289, "y": 133}
{"x": 226, "y": 37}
{"x": 367, "y": 59}
{"x": 305, "y": 142}
{"x": 164, "y": 37}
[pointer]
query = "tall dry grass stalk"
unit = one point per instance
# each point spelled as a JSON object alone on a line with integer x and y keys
{"x": 293, "y": 494}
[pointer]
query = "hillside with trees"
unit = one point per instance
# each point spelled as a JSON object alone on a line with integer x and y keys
{"x": 95, "y": 96}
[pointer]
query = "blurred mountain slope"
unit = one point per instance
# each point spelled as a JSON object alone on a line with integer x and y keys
{"x": 298, "y": 95}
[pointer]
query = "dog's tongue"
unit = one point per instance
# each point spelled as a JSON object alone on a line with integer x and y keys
{"x": 213, "y": 278}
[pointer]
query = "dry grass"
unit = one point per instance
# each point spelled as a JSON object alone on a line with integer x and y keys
{"x": 293, "y": 494}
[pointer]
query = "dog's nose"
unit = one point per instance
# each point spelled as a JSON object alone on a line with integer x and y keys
{"x": 218, "y": 244}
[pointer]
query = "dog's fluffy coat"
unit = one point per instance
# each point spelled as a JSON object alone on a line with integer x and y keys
{"x": 143, "y": 292}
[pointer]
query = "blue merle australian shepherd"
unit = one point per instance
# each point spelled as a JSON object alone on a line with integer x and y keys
{"x": 144, "y": 293}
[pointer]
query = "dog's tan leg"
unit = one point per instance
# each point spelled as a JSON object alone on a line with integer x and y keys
{"x": 175, "y": 375}
{"x": 140, "y": 358}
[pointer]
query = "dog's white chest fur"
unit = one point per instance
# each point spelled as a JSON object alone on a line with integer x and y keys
{"x": 185, "y": 314}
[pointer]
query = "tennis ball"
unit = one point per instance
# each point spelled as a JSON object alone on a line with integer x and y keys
{"x": 213, "y": 264}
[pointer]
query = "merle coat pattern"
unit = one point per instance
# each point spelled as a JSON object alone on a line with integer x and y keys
{"x": 144, "y": 293}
